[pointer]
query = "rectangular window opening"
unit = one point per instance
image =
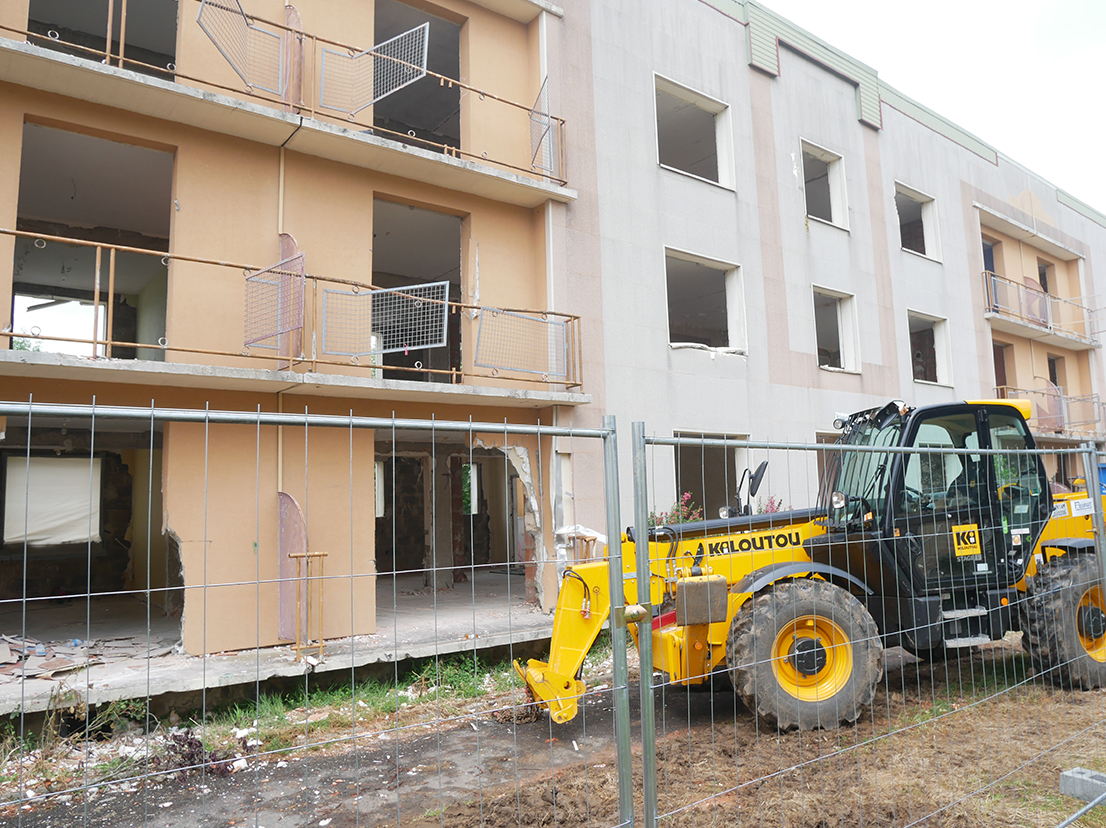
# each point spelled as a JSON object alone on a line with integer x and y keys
{"x": 70, "y": 183}
{"x": 824, "y": 184}
{"x": 928, "y": 349}
{"x": 703, "y": 304}
{"x": 80, "y": 29}
{"x": 710, "y": 474}
{"x": 917, "y": 214}
{"x": 827, "y": 326}
{"x": 688, "y": 131}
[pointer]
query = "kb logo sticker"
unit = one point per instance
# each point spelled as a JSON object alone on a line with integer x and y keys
{"x": 966, "y": 539}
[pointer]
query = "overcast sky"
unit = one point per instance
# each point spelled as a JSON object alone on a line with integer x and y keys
{"x": 1026, "y": 76}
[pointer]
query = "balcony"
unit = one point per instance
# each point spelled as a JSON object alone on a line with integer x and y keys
{"x": 238, "y": 325}
{"x": 1055, "y": 412}
{"x": 385, "y": 108}
{"x": 1025, "y": 311}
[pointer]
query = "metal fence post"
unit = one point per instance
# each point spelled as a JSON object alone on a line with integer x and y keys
{"x": 645, "y": 630}
{"x": 620, "y": 690}
{"x": 1094, "y": 492}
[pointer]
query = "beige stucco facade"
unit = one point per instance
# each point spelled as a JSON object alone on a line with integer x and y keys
{"x": 242, "y": 167}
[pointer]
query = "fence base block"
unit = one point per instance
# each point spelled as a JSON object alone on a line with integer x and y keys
{"x": 1083, "y": 784}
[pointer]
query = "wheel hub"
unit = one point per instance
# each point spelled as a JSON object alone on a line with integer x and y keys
{"x": 809, "y": 656}
{"x": 1091, "y": 621}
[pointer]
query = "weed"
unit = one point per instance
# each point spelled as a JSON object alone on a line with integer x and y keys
{"x": 185, "y": 752}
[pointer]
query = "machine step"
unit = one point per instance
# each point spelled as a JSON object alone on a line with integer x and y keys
{"x": 967, "y": 641}
{"x": 971, "y": 612}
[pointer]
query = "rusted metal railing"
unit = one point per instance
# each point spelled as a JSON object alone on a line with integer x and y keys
{"x": 1055, "y": 411}
{"x": 104, "y": 344}
{"x": 306, "y": 50}
{"x": 1034, "y": 307}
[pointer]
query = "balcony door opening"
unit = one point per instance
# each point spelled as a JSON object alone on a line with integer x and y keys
{"x": 427, "y": 113}
{"x": 413, "y": 247}
{"x": 146, "y": 34}
{"x": 91, "y": 191}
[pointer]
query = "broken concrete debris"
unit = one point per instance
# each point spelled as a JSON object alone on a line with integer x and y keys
{"x": 25, "y": 657}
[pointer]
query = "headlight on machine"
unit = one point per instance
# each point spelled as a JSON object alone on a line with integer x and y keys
{"x": 838, "y": 500}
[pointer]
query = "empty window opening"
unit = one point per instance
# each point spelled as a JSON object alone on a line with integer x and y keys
{"x": 992, "y": 256}
{"x": 426, "y": 112}
{"x": 928, "y": 349}
{"x": 92, "y": 189}
{"x": 1001, "y": 355}
{"x": 710, "y": 474}
{"x": 413, "y": 246}
{"x": 689, "y": 131}
{"x": 86, "y": 514}
{"x": 827, "y": 326}
{"x": 824, "y": 184}
{"x": 917, "y": 221}
{"x": 1057, "y": 375}
{"x": 1044, "y": 271}
{"x": 704, "y": 304}
{"x": 150, "y": 39}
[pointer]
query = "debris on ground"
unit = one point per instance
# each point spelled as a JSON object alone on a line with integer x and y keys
{"x": 25, "y": 657}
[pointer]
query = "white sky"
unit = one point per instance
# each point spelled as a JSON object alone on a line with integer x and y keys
{"x": 68, "y": 319}
{"x": 1026, "y": 76}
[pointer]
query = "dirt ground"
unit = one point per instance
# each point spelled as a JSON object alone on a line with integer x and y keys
{"x": 968, "y": 743}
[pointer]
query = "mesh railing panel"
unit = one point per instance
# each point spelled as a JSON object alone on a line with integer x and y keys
{"x": 255, "y": 54}
{"x": 274, "y": 301}
{"x": 385, "y": 321}
{"x": 509, "y": 341}
{"x": 541, "y": 132}
{"x": 349, "y": 83}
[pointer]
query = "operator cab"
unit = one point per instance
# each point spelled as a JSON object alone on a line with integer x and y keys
{"x": 948, "y": 514}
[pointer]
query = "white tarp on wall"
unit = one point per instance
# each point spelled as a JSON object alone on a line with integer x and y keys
{"x": 56, "y": 508}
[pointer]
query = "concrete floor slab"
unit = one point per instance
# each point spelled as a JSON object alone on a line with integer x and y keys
{"x": 412, "y": 622}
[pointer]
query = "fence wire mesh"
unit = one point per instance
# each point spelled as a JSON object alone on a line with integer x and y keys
{"x": 164, "y": 666}
{"x": 920, "y": 663}
{"x": 255, "y": 54}
{"x": 274, "y": 301}
{"x": 388, "y": 320}
{"x": 351, "y": 82}
{"x": 270, "y": 618}
{"x": 530, "y": 343}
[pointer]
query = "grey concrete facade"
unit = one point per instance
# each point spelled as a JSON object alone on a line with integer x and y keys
{"x": 754, "y": 223}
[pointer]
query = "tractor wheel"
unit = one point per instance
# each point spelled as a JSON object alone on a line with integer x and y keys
{"x": 805, "y": 654}
{"x": 1063, "y": 619}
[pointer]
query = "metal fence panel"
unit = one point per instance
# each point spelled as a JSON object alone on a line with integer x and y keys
{"x": 274, "y": 301}
{"x": 255, "y": 54}
{"x": 174, "y": 690}
{"x": 970, "y": 730}
{"x": 352, "y": 82}
{"x": 388, "y": 320}
{"x": 530, "y": 343}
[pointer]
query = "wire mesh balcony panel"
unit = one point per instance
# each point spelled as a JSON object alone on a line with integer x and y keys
{"x": 349, "y": 83}
{"x": 385, "y": 321}
{"x": 542, "y": 134}
{"x": 274, "y": 302}
{"x": 509, "y": 341}
{"x": 256, "y": 55}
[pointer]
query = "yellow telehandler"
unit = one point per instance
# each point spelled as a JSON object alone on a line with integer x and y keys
{"x": 935, "y": 548}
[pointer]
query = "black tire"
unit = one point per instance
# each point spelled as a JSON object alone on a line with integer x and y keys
{"x": 1057, "y": 634}
{"x": 822, "y": 686}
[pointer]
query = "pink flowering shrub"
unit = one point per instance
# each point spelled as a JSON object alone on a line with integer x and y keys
{"x": 772, "y": 504}
{"x": 683, "y": 511}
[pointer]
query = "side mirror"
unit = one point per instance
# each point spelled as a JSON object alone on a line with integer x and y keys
{"x": 755, "y": 480}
